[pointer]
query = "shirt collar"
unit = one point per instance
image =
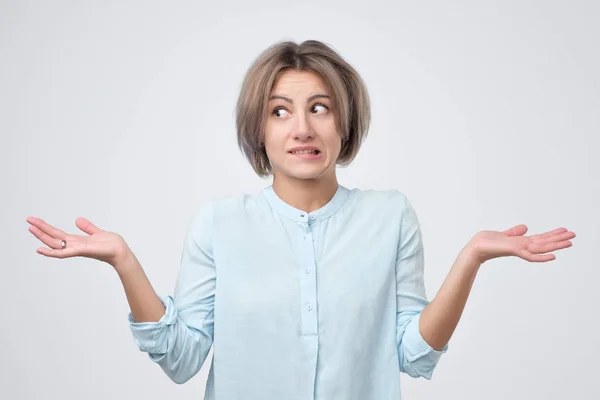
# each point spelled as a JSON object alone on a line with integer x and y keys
{"x": 288, "y": 211}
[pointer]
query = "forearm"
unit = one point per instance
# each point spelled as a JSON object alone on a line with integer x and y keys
{"x": 143, "y": 301}
{"x": 440, "y": 317}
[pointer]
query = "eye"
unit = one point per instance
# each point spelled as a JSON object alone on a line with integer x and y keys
{"x": 279, "y": 112}
{"x": 320, "y": 108}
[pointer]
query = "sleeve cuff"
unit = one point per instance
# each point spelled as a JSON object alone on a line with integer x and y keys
{"x": 151, "y": 337}
{"x": 416, "y": 347}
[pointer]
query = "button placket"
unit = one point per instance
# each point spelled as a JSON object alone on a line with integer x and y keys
{"x": 308, "y": 283}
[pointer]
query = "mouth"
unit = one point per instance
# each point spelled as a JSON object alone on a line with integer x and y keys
{"x": 306, "y": 151}
{"x": 306, "y": 154}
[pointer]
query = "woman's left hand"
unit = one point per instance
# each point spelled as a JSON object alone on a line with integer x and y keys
{"x": 512, "y": 242}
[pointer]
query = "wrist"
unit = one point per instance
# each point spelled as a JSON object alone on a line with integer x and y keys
{"x": 470, "y": 257}
{"x": 124, "y": 260}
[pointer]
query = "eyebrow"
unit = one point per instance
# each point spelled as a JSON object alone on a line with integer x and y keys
{"x": 311, "y": 98}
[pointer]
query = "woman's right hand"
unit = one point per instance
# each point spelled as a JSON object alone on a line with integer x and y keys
{"x": 101, "y": 245}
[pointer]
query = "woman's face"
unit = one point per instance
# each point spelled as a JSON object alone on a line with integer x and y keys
{"x": 301, "y": 137}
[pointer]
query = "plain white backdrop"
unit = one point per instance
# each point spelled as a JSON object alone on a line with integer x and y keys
{"x": 485, "y": 113}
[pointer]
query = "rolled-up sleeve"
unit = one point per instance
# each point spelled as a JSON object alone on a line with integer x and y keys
{"x": 416, "y": 357}
{"x": 180, "y": 341}
{"x": 151, "y": 337}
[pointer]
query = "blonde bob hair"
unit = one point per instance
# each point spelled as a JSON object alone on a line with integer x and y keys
{"x": 349, "y": 95}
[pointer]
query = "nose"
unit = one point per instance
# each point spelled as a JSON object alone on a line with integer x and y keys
{"x": 302, "y": 129}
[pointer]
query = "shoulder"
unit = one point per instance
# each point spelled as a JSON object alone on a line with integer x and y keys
{"x": 391, "y": 200}
{"x": 389, "y": 206}
{"x": 227, "y": 207}
{"x": 209, "y": 214}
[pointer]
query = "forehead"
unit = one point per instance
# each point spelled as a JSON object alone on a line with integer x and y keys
{"x": 292, "y": 81}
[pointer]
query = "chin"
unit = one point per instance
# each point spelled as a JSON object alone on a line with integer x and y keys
{"x": 306, "y": 176}
{"x": 305, "y": 173}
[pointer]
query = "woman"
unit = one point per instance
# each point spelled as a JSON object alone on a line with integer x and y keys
{"x": 307, "y": 290}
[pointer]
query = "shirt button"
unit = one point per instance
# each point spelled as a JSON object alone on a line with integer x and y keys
{"x": 307, "y": 271}
{"x": 312, "y": 217}
{"x": 309, "y": 307}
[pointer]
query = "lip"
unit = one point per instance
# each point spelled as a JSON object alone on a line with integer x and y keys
{"x": 306, "y": 156}
{"x": 304, "y": 148}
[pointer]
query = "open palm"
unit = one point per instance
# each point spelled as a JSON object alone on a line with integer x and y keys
{"x": 98, "y": 244}
{"x": 512, "y": 242}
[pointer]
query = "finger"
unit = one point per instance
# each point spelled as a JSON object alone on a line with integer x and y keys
{"x": 549, "y": 233}
{"x": 547, "y": 247}
{"x": 517, "y": 230}
{"x": 86, "y": 226}
{"x": 57, "y": 253}
{"x": 46, "y": 228}
{"x": 558, "y": 237}
{"x": 526, "y": 255}
{"x": 45, "y": 238}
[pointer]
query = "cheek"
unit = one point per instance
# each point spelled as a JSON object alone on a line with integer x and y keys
{"x": 333, "y": 141}
{"x": 336, "y": 146}
{"x": 273, "y": 135}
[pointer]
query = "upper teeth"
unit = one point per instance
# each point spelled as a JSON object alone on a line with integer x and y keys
{"x": 304, "y": 151}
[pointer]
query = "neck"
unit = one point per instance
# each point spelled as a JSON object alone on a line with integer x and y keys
{"x": 305, "y": 194}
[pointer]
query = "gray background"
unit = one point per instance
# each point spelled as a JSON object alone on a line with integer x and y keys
{"x": 486, "y": 114}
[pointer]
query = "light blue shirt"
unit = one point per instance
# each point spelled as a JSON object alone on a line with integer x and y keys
{"x": 298, "y": 306}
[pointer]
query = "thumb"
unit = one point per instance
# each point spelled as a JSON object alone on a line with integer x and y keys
{"x": 517, "y": 230}
{"x": 87, "y": 226}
